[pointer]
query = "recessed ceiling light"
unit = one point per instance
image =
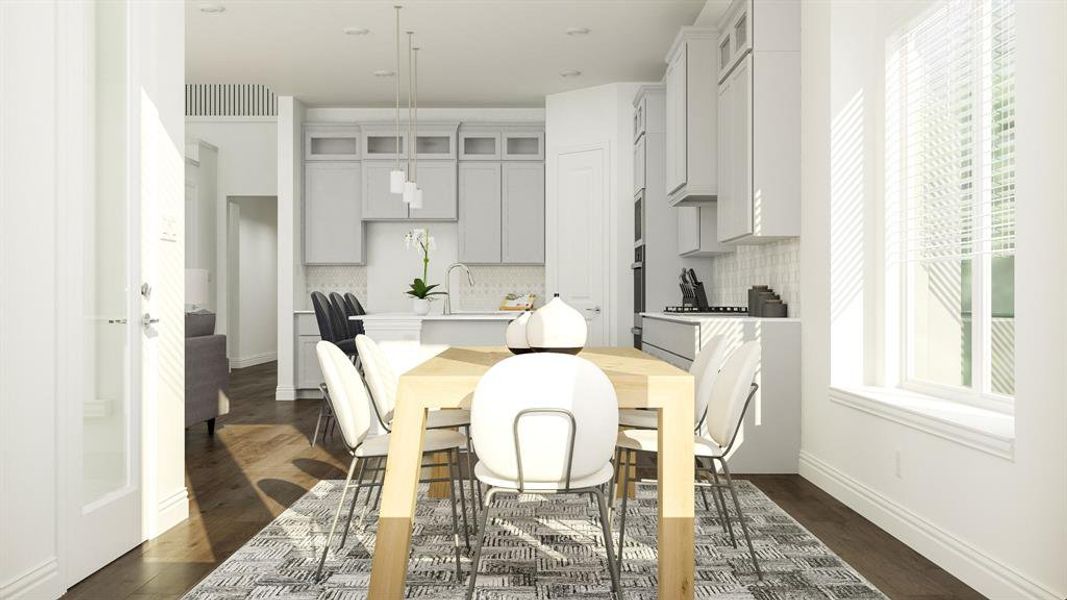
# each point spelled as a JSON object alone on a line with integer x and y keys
{"x": 384, "y": 73}
{"x": 212, "y": 9}
{"x": 577, "y": 31}
{"x": 356, "y": 31}
{"x": 570, "y": 73}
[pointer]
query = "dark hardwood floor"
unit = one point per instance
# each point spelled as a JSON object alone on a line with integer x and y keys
{"x": 259, "y": 462}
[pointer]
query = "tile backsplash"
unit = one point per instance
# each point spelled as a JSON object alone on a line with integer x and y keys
{"x": 491, "y": 283}
{"x": 776, "y": 264}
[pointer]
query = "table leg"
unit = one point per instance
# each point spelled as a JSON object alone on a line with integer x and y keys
{"x": 390, "y": 563}
{"x": 676, "y": 512}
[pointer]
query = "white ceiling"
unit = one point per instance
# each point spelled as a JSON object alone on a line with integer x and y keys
{"x": 473, "y": 52}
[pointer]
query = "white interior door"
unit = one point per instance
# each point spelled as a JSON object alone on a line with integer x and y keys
{"x": 581, "y": 240}
{"x": 103, "y": 484}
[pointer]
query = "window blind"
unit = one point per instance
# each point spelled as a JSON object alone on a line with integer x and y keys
{"x": 950, "y": 95}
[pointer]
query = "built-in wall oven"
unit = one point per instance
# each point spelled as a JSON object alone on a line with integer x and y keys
{"x": 638, "y": 268}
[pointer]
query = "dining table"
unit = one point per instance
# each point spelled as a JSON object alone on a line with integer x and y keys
{"x": 448, "y": 380}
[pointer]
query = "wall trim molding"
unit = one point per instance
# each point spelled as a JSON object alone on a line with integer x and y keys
{"x": 974, "y": 567}
{"x": 285, "y": 394}
{"x": 255, "y": 359}
{"x": 40, "y": 581}
{"x": 171, "y": 511}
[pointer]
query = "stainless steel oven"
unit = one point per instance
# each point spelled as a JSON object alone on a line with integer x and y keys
{"x": 638, "y": 268}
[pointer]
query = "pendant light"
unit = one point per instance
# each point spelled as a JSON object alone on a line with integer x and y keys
{"x": 396, "y": 176}
{"x": 409, "y": 184}
{"x": 416, "y": 201}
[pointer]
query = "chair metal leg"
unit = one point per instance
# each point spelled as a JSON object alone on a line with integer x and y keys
{"x": 378, "y": 467}
{"x": 481, "y": 538}
{"x": 722, "y": 501}
{"x": 318, "y": 423}
{"x": 455, "y": 519}
{"x": 615, "y": 479}
{"x": 471, "y": 479}
{"x": 741, "y": 517}
{"x": 457, "y": 476}
{"x": 630, "y": 455}
{"x": 381, "y": 484}
{"x": 612, "y": 567}
{"x": 352, "y": 507}
{"x": 336, "y": 518}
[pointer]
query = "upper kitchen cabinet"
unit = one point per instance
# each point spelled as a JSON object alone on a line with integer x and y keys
{"x": 523, "y": 214}
{"x": 479, "y": 143}
{"x": 435, "y": 140}
{"x": 691, "y": 114}
{"x": 523, "y": 144}
{"x": 333, "y": 219}
{"x": 697, "y": 232}
{"x": 759, "y": 122}
{"x": 437, "y": 178}
{"x": 331, "y": 142}
{"x": 479, "y": 212}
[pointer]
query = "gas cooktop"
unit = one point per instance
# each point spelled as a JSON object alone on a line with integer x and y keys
{"x": 710, "y": 310}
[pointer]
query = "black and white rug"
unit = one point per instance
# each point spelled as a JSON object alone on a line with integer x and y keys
{"x": 538, "y": 548}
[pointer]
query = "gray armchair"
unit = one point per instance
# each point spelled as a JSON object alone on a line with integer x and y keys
{"x": 207, "y": 371}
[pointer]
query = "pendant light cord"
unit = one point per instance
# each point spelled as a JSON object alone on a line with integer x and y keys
{"x": 415, "y": 94}
{"x": 396, "y": 78}
{"x": 411, "y": 43}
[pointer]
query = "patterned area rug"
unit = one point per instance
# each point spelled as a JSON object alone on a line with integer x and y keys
{"x": 538, "y": 548}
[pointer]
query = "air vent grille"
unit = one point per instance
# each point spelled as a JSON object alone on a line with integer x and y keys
{"x": 229, "y": 100}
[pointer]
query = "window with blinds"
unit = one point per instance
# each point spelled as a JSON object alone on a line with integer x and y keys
{"x": 950, "y": 194}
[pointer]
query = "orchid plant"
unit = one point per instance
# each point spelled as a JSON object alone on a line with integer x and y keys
{"x": 421, "y": 240}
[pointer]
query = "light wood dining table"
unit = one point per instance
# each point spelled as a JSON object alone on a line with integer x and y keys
{"x": 448, "y": 380}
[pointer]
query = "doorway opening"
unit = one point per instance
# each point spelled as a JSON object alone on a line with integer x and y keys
{"x": 252, "y": 279}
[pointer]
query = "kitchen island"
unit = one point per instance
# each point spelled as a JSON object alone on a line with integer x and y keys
{"x": 406, "y": 338}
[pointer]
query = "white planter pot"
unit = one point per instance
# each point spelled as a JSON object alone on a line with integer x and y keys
{"x": 421, "y": 306}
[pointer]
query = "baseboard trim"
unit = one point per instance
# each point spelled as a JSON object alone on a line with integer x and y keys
{"x": 251, "y": 361}
{"x": 171, "y": 511}
{"x": 41, "y": 581}
{"x": 972, "y": 566}
{"x": 285, "y": 394}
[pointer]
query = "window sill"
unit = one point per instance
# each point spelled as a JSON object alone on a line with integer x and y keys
{"x": 979, "y": 428}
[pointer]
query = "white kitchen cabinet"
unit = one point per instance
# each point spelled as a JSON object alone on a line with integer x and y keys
{"x": 328, "y": 141}
{"x": 436, "y": 140}
{"x": 479, "y": 212}
{"x": 697, "y": 231}
{"x": 437, "y": 179}
{"x": 523, "y": 213}
{"x": 759, "y": 117}
{"x": 479, "y": 144}
{"x": 523, "y": 144}
{"x": 380, "y": 204}
{"x": 691, "y": 117}
{"x": 308, "y": 376}
{"x": 639, "y": 165}
{"x": 771, "y": 427}
{"x": 333, "y": 213}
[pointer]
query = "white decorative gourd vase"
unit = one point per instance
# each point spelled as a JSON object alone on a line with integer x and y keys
{"x": 556, "y": 327}
{"x": 515, "y": 336}
{"x": 421, "y": 306}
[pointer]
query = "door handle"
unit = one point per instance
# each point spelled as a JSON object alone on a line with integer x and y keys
{"x": 116, "y": 321}
{"x": 147, "y": 321}
{"x": 593, "y": 309}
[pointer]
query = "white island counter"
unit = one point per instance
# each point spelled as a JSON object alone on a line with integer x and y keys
{"x": 457, "y": 329}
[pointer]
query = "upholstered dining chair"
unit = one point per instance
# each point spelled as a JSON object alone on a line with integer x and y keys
{"x": 544, "y": 424}
{"x": 727, "y": 399}
{"x": 352, "y": 408}
{"x": 357, "y": 309}
{"x": 383, "y": 382}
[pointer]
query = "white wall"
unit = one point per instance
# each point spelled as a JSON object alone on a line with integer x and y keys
{"x": 998, "y": 524}
{"x": 600, "y": 115}
{"x": 201, "y": 213}
{"x": 257, "y": 295}
{"x": 247, "y": 166}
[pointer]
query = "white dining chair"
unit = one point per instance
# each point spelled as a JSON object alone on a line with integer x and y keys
{"x": 704, "y": 369}
{"x": 544, "y": 424}
{"x": 351, "y": 407}
{"x": 383, "y": 382}
{"x": 727, "y": 398}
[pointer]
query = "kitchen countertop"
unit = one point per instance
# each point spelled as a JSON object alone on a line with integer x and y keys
{"x": 459, "y": 316}
{"x": 697, "y": 318}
